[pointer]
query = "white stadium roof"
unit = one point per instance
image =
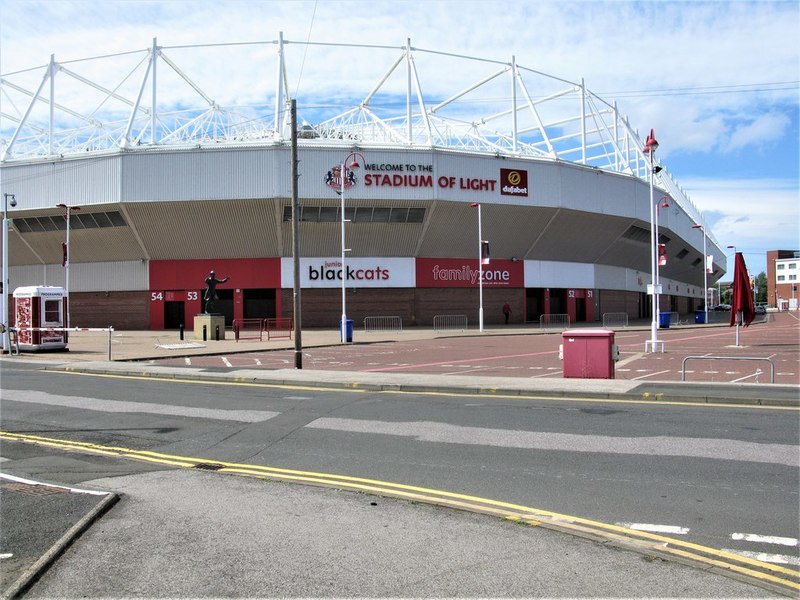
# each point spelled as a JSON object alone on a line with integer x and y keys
{"x": 364, "y": 95}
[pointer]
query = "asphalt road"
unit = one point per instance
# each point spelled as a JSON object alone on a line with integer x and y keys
{"x": 721, "y": 476}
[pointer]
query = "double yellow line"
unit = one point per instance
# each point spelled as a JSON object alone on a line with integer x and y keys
{"x": 644, "y": 542}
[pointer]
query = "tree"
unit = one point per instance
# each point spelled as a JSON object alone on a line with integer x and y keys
{"x": 761, "y": 287}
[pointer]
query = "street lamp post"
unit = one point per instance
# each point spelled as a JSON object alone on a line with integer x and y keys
{"x": 705, "y": 272}
{"x": 480, "y": 267}
{"x": 347, "y": 180}
{"x": 67, "y": 210}
{"x": 649, "y": 149}
{"x": 7, "y": 199}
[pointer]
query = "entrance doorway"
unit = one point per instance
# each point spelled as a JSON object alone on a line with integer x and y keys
{"x": 259, "y": 303}
{"x": 173, "y": 314}
{"x": 534, "y": 304}
{"x": 580, "y": 309}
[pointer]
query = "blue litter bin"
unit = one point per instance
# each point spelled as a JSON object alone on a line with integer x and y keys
{"x": 700, "y": 317}
{"x": 348, "y": 330}
{"x": 663, "y": 320}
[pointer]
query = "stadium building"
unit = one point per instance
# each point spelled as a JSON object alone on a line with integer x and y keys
{"x": 172, "y": 162}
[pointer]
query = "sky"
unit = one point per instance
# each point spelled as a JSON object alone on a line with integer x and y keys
{"x": 718, "y": 81}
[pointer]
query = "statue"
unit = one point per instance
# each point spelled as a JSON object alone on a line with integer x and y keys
{"x": 211, "y": 291}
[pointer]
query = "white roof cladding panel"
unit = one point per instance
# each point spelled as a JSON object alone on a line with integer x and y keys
{"x": 204, "y": 174}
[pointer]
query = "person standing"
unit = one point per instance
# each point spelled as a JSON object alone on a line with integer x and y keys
{"x": 506, "y": 311}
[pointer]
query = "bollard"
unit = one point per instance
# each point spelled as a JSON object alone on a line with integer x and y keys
{"x": 216, "y": 333}
{"x": 181, "y": 328}
{"x": 205, "y": 335}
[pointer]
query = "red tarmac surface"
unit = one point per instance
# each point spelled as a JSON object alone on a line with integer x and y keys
{"x": 517, "y": 353}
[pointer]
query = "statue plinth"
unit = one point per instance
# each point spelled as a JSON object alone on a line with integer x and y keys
{"x": 210, "y": 322}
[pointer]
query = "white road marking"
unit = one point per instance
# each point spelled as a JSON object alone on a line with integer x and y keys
{"x": 62, "y": 487}
{"x": 779, "y": 559}
{"x": 5, "y": 555}
{"x": 674, "y": 529}
{"x": 187, "y": 360}
{"x": 756, "y": 374}
{"x": 122, "y": 406}
{"x": 765, "y": 539}
{"x": 429, "y": 431}
{"x": 226, "y": 361}
{"x": 651, "y": 375}
{"x": 258, "y": 362}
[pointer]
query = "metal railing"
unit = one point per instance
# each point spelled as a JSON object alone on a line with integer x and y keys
{"x": 388, "y": 323}
{"x": 248, "y": 329}
{"x": 280, "y": 327}
{"x": 750, "y": 358}
{"x": 554, "y": 321}
{"x": 617, "y": 319}
{"x": 450, "y": 322}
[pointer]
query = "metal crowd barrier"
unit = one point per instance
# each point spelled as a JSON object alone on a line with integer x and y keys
{"x": 450, "y": 322}
{"x": 618, "y": 319}
{"x": 390, "y": 323}
{"x": 554, "y": 321}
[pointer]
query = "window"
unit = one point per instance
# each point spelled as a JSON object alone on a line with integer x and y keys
{"x": 416, "y": 215}
{"x": 363, "y": 214}
{"x": 360, "y": 214}
{"x": 781, "y": 278}
{"x": 52, "y": 314}
{"x": 780, "y": 266}
{"x": 792, "y": 265}
{"x": 792, "y": 277}
{"x": 309, "y": 213}
{"x": 328, "y": 214}
{"x": 78, "y": 220}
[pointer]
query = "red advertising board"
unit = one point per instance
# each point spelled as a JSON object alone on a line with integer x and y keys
{"x": 191, "y": 274}
{"x": 464, "y": 273}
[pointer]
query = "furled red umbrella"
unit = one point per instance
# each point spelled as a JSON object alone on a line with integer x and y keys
{"x": 742, "y": 295}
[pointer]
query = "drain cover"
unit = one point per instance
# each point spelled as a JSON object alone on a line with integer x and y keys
{"x": 209, "y": 466}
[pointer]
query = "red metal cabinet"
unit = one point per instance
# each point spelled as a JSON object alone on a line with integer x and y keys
{"x": 589, "y": 353}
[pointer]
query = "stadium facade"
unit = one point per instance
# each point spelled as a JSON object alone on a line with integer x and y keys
{"x": 168, "y": 181}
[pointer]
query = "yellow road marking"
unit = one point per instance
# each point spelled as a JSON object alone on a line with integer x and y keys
{"x": 641, "y": 540}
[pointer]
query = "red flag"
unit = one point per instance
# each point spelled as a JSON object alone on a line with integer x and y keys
{"x": 662, "y": 254}
{"x": 741, "y": 293}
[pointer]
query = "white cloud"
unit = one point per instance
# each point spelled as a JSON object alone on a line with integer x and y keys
{"x": 763, "y": 129}
{"x": 755, "y": 215}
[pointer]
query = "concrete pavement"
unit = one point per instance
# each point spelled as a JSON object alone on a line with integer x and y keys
{"x": 189, "y": 533}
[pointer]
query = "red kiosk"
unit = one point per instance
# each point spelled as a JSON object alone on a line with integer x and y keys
{"x": 41, "y": 316}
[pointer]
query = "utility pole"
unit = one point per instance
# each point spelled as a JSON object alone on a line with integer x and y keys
{"x": 298, "y": 343}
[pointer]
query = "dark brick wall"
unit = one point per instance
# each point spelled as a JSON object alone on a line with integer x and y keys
{"x": 120, "y": 310}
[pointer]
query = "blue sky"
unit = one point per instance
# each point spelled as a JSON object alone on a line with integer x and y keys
{"x": 718, "y": 81}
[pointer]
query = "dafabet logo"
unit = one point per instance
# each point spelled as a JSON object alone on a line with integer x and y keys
{"x": 513, "y": 182}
